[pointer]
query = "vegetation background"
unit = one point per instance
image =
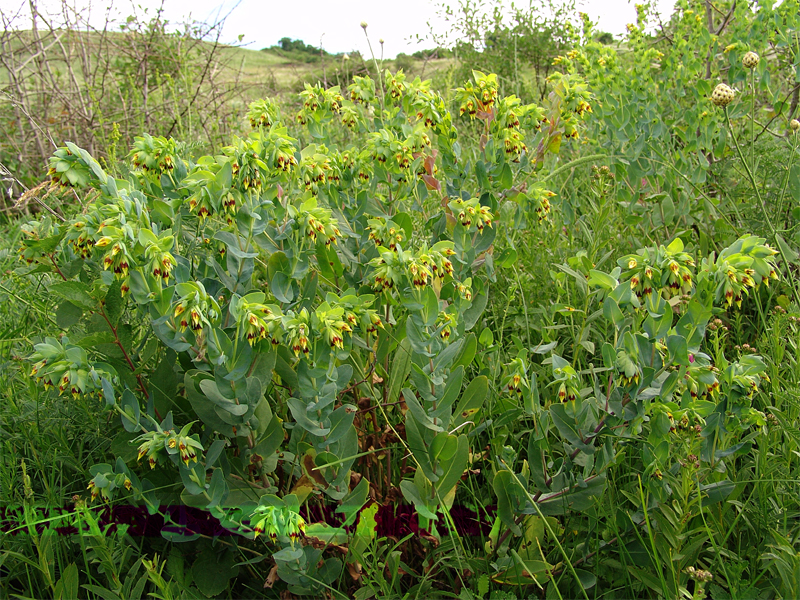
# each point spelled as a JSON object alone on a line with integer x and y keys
{"x": 691, "y": 493}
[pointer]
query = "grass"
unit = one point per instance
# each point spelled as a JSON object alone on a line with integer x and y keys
{"x": 635, "y": 541}
{"x": 259, "y": 72}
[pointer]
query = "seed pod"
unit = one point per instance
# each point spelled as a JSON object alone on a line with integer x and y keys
{"x": 722, "y": 95}
{"x": 750, "y": 60}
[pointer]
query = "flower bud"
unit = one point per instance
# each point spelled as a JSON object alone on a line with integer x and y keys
{"x": 364, "y": 25}
{"x": 794, "y": 125}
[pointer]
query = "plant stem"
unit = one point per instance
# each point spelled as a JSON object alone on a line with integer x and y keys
{"x": 753, "y": 182}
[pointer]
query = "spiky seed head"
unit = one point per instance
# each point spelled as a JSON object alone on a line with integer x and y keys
{"x": 722, "y": 95}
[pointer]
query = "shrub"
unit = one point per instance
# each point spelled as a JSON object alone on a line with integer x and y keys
{"x": 291, "y": 323}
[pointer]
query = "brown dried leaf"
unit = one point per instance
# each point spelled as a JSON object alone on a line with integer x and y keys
{"x": 355, "y": 570}
{"x": 272, "y": 577}
{"x": 310, "y": 469}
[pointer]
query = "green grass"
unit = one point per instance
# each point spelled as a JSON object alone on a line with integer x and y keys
{"x": 631, "y": 543}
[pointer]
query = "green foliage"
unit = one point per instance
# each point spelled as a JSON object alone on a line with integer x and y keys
{"x": 365, "y": 301}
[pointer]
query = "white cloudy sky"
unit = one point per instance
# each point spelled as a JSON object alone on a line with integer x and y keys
{"x": 334, "y": 22}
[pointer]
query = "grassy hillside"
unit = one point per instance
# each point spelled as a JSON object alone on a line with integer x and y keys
{"x": 101, "y": 89}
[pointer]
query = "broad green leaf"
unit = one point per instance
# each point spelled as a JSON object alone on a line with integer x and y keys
{"x": 352, "y": 502}
{"x": 467, "y": 353}
{"x": 76, "y": 292}
{"x": 454, "y": 465}
{"x": 401, "y": 367}
{"x": 508, "y": 494}
{"x": 212, "y": 570}
{"x": 568, "y": 428}
{"x": 67, "y": 314}
{"x": 414, "y": 495}
{"x": 471, "y": 401}
{"x": 131, "y": 413}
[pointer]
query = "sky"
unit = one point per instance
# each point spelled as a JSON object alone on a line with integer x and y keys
{"x": 333, "y": 23}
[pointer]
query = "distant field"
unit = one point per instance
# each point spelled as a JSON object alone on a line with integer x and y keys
{"x": 262, "y": 71}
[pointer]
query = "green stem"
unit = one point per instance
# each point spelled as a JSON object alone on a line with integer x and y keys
{"x": 763, "y": 206}
{"x": 550, "y": 531}
{"x": 788, "y": 172}
{"x": 575, "y": 163}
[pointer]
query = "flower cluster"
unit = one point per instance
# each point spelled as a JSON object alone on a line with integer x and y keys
{"x": 257, "y": 320}
{"x": 319, "y": 103}
{"x": 316, "y": 222}
{"x": 333, "y": 324}
{"x": 122, "y": 232}
{"x": 106, "y": 479}
{"x": 470, "y": 211}
{"x": 248, "y": 168}
{"x": 430, "y": 107}
{"x": 152, "y": 443}
{"x": 155, "y": 155}
{"x": 385, "y": 233}
{"x": 515, "y": 379}
{"x": 699, "y": 574}
{"x": 117, "y": 257}
{"x": 385, "y": 148}
{"x": 67, "y": 169}
{"x": 157, "y": 254}
{"x": 201, "y": 190}
{"x": 477, "y": 99}
{"x": 743, "y": 266}
{"x": 535, "y": 200}
{"x": 567, "y": 380}
{"x": 511, "y": 120}
{"x": 666, "y": 269}
{"x": 418, "y": 268}
{"x": 722, "y": 95}
{"x": 573, "y": 95}
{"x": 298, "y": 331}
{"x": 263, "y": 113}
{"x": 745, "y": 376}
{"x": 194, "y": 308}
{"x": 314, "y": 170}
{"x": 278, "y": 523}
{"x": 357, "y": 311}
{"x": 362, "y": 90}
{"x": 331, "y": 321}
{"x": 628, "y": 369}
{"x": 700, "y": 379}
{"x": 350, "y": 117}
{"x": 66, "y": 367}
{"x": 279, "y": 149}
{"x": 750, "y": 60}
{"x": 445, "y": 323}
{"x": 395, "y": 83}
{"x": 36, "y": 234}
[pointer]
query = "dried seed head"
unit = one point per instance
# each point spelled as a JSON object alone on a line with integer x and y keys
{"x": 750, "y": 60}
{"x": 722, "y": 95}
